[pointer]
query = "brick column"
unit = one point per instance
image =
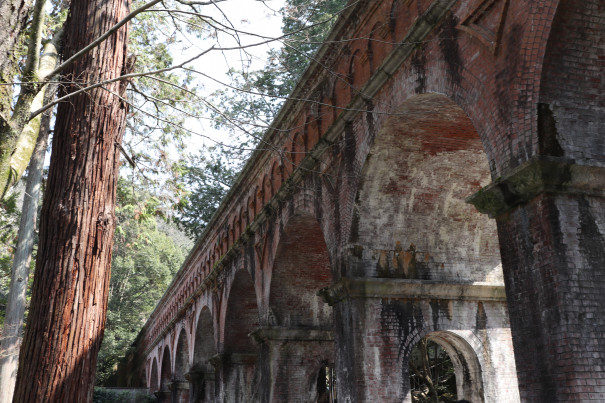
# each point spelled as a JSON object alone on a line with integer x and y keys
{"x": 379, "y": 320}
{"x": 238, "y": 379}
{"x": 179, "y": 391}
{"x": 551, "y": 225}
{"x": 292, "y": 360}
{"x": 201, "y": 385}
{"x": 163, "y": 396}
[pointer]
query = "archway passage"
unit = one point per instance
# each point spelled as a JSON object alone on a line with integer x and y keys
{"x": 240, "y": 351}
{"x": 179, "y": 385}
{"x": 163, "y": 393}
{"x": 242, "y": 315}
{"x": 301, "y": 269}
{"x": 153, "y": 380}
{"x": 444, "y": 367}
{"x": 411, "y": 219}
{"x": 413, "y": 236}
{"x": 432, "y": 375}
{"x": 298, "y": 341}
{"x": 202, "y": 374}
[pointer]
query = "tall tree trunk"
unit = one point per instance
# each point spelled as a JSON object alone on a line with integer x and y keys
{"x": 69, "y": 297}
{"x": 13, "y": 321}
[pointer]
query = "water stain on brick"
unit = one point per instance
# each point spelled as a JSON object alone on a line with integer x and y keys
{"x": 382, "y": 265}
{"x": 547, "y": 132}
{"x": 350, "y": 148}
{"x": 439, "y": 308}
{"x": 400, "y": 318}
{"x": 419, "y": 67}
{"x": 448, "y": 44}
{"x": 480, "y": 317}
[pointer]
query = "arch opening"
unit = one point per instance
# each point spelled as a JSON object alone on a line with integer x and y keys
{"x": 202, "y": 373}
{"x": 242, "y": 315}
{"x": 153, "y": 381}
{"x": 166, "y": 372}
{"x": 240, "y": 381}
{"x": 411, "y": 219}
{"x": 444, "y": 367}
{"x": 181, "y": 364}
{"x": 301, "y": 268}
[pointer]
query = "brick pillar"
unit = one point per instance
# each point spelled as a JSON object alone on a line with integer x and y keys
{"x": 292, "y": 360}
{"x": 379, "y": 320}
{"x": 368, "y": 366}
{"x": 163, "y": 396}
{"x": 201, "y": 385}
{"x": 369, "y": 360}
{"x": 551, "y": 227}
{"x": 179, "y": 391}
{"x": 238, "y": 377}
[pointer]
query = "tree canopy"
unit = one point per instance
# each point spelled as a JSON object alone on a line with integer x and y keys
{"x": 145, "y": 258}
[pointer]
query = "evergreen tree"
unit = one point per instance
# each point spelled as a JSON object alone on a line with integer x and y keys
{"x": 144, "y": 262}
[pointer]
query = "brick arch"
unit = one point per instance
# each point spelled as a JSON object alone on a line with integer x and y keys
{"x": 354, "y": 75}
{"x": 181, "y": 355}
{"x": 241, "y": 315}
{"x": 311, "y": 131}
{"x": 154, "y": 381}
{"x": 166, "y": 371}
{"x": 326, "y": 110}
{"x": 342, "y": 80}
{"x": 204, "y": 346}
{"x": 258, "y": 197}
{"x": 298, "y": 149}
{"x": 251, "y": 206}
{"x": 276, "y": 177}
{"x": 466, "y": 362}
{"x": 267, "y": 189}
{"x": 571, "y": 108}
{"x": 413, "y": 180}
{"x": 399, "y": 18}
{"x": 301, "y": 268}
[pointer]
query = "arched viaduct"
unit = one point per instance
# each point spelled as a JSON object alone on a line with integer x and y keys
{"x": 439, "y": 170}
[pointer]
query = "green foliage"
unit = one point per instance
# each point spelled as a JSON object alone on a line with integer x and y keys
{"x": 209, "y": 178}
{"x": 144, "y": 262}
{"x": 309, "y": 21}
{"x": 247, "y": 107}
{"x": 102, "y": 395}
{"x": 255, "y": 97}
{"x": 161, "y": 103}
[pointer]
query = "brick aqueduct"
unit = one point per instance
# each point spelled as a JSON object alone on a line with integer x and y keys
{"x": 366, "y": 222}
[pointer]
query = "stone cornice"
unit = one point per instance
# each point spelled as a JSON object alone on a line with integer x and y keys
{"x": 363, "y": 287}
{"x": 536, "y": 176}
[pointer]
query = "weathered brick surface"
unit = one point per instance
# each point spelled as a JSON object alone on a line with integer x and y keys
{"x": 422, "y": 104}
{"x": 553, "y": 249}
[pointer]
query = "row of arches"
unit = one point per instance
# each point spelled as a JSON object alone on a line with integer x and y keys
{"x": 396, "y": 212}
{"x": 268, "y": 336}
{"x": 362, "y": 57}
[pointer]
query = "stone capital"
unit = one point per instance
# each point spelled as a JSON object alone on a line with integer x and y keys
{"x": 536, "y": 176}
{"x": 366, "y": 287}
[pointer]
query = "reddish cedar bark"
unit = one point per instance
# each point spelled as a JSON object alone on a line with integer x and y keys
{"x": 69, "y": 297}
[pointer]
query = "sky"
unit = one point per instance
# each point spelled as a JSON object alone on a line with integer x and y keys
{"x": 253, "y": 16}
